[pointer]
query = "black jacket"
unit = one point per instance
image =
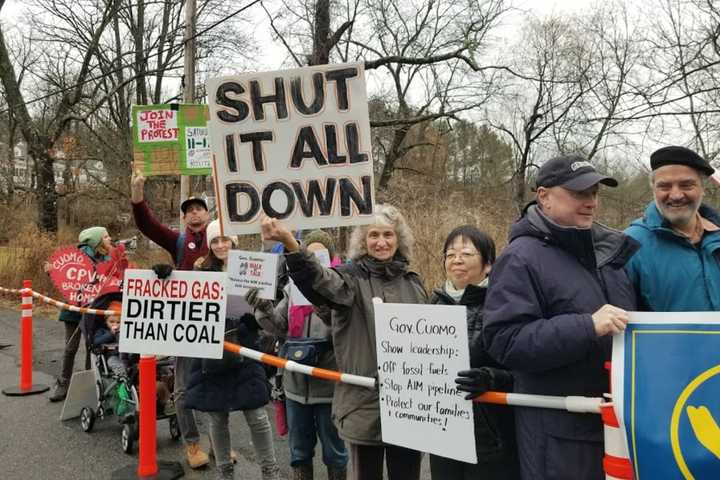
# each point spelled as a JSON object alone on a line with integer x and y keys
{"x": 494, "y": 424}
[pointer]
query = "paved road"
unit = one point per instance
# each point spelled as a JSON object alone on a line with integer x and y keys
{"x": 35, "y": 444}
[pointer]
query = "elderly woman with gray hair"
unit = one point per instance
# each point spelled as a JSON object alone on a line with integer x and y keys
{"x": 380, "y": 255}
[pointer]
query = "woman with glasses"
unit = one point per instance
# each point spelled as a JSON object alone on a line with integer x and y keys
{"x": 468, "y": 256}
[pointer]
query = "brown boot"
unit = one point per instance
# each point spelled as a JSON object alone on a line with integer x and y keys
{"x": 335, "y": 473}
{"x": 196, "y": 458}
{"x": 302, "y": 472}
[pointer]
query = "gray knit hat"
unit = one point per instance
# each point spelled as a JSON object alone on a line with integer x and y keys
{"x": 319, "y": 236}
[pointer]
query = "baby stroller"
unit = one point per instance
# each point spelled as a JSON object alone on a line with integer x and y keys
{"x": 118, "y": 394}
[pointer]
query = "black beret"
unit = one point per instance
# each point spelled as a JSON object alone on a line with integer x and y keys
{"x": 675, "y": 155}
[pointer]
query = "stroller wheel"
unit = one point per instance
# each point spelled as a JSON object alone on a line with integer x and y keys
{"x": 129, "y": 436}
{"x": 87, "y": 419}
{"x": 174, "y": 428}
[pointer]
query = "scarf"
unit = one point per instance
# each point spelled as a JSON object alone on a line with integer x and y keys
{"x": 457, "y": 294}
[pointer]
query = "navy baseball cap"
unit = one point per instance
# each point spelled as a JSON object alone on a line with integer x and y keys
{"x": 190, "y": 201}
{"x": 573, "y": 172}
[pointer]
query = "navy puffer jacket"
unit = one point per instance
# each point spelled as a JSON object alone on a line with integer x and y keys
{"x": 543, "y": 291}
{"x": 232, "y": 383}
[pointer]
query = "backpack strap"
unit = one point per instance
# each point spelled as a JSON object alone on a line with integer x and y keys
{"x": 180, "y": 249}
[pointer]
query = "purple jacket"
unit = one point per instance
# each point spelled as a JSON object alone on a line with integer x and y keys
{"x": 543, "y": 290}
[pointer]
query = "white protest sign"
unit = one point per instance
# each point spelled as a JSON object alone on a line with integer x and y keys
{"x": 157, "y": 125}
{"x": 294, "y": 144}
{"x": 296, "y": 297}
{"x": 248, "y": 270}
{"x": 198, "y": 147}
{"x": 420, "y": 349}
{"x": 183, "y": 315}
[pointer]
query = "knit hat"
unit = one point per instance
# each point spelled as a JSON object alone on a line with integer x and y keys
{"x": 319, "y": 236}
{"x": 92, "y": 236}
{"x": 675, "y": 155}
{"x": 213, "y": 231}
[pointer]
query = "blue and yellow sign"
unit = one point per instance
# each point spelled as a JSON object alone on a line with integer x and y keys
{"x": 671, "y": 393}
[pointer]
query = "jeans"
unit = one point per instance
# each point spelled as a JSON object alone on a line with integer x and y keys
{"x": 367, "y": 462}
{"x": 185, "y": 416}
{"x": 261, "y": 434}
{"x": 72, "y": 344}
{"x": 305, "y": 424}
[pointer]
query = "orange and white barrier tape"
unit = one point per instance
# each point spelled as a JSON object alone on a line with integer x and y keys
{"x": 573, "y": 404}
{"x": 292, "y": 366}
{"x": 58, "y": 304}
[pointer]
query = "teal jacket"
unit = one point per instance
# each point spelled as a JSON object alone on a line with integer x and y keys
{"x": 671, "y": 274}
{"x": 74, "y": 317}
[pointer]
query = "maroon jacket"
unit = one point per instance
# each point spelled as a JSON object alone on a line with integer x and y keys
{"x": 194, "y": 246}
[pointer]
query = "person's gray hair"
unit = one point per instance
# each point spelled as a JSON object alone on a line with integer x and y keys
{"x": 388, "y": 216}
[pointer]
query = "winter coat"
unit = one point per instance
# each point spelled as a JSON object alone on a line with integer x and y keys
{"x": 302, "y": 388}
{"x": 494, "y": 424}
{"x": 544, "y": 288}
{"x": 74, "y": 317}
{"x": 233, "y": 382}
{"x": 348, "y": 290}
{"x": 194, "y": 246}
{"x": 671, "y": 274}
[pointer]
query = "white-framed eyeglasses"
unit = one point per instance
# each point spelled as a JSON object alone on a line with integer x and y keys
{"x": 464, "y": 256}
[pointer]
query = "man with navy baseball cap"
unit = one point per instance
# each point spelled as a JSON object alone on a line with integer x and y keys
{"x": 678, "y": 267}
{"x": 557, "y": 293}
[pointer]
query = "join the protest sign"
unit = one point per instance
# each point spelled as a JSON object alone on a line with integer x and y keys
{"x": 294, "y": 144}
{"x": 248, "y": 270}
{"x": 420, "y": 349}
{"x": 666, "y": 392}
{"x": 171, "y": 139}
{"x": 183, "y": 315}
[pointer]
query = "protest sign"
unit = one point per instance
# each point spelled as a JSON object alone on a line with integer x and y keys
{"x": 171, "y": 139}
{"x": 78, "y": 279}
{"x": 420, "y": 349}
{"x": 183, "y": 315}
{"x": 294, "y": 144}
{"x": 296, "y": 297}
{"x": 665, "y": 388}
{"x": 248, "y": 270}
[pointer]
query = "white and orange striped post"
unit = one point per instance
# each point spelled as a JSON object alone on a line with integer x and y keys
{"x": 616, "y": 463}
{"x": 26, "y": 387}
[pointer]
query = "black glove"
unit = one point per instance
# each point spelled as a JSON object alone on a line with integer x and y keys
{"x": 475, "y": 381}
{"x": 252, "y": 297}
{"x": 162, "y": 270}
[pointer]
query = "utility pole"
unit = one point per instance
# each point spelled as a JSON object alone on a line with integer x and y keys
{"x": 188, "y": 79}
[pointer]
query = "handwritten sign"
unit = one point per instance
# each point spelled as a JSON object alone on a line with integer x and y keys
{"x": 294, "y": 144}
{"x": 183, "y": 315}
{"x": 171, "y": 139}
{"x": 248, "y": 270}
{"x": 420, "y": 349}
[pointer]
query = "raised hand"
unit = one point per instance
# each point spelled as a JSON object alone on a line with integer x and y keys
{"x": 272, "y": 229}
{"x": 137, "y": 185}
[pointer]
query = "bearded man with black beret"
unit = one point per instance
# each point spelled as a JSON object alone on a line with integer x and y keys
{"x": 677, "y": 268}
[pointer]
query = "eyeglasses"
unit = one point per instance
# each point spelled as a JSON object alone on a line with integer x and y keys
{"x": 464, "y": 256}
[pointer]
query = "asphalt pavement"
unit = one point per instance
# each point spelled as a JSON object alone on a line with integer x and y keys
{"x": 35, "y": 444}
